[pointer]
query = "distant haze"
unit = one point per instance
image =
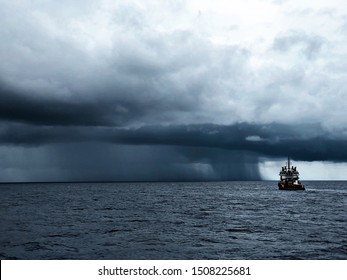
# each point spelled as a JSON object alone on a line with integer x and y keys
{"x": 172, "y": 90}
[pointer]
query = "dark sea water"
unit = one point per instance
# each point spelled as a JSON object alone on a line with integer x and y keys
{"x": 209, "y": 220}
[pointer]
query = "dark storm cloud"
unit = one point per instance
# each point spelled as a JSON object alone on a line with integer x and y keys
{"x": 159, "y": 153}
{"x": 18, "y": 107}
{"x": 146, "y": 79}
{"x": 105, "y": 109}
{"x": 116, "y": 65}
{"x": 301, "y": 142}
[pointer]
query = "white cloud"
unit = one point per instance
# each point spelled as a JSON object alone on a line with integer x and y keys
{"x": 254, "y": 138}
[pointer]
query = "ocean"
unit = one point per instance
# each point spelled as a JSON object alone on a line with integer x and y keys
{"x": 199, "y": 220}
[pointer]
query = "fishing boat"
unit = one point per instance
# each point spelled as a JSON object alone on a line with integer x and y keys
{"x": 289, "y": 178}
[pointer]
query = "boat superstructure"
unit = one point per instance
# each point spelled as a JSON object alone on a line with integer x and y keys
{"x": 289, "y": 178}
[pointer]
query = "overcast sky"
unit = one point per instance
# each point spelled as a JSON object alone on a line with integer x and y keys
{"x": 172, "y": 90}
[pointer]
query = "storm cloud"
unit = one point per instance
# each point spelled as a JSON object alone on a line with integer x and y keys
{"x": 181, "y": 90}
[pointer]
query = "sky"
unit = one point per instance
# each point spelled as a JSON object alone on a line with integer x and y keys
{"x": 172, "y": 90}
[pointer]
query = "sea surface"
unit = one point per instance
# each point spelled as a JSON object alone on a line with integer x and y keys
{"x": 207, "y": 220}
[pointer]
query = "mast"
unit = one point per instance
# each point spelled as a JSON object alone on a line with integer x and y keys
{"x": 288, "y": 163}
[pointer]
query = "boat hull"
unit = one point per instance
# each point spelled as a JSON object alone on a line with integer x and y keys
{"x": 288, "y": 186}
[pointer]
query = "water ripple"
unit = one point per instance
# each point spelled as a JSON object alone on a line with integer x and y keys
{"x": 212, "y": 220}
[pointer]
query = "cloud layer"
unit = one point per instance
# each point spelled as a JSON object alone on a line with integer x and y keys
{"x": 190, "y": 90}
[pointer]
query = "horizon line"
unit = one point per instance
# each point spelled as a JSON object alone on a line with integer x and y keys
{"x": 152, "y": 181}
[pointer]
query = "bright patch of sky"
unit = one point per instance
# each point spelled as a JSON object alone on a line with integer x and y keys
{"x": 316, "y": 170}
